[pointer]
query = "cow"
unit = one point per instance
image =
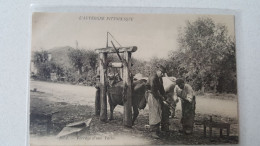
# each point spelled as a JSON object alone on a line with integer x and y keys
{"x": 116, "y": 97}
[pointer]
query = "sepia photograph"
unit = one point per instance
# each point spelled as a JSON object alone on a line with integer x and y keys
{"x": 133, "y": 79}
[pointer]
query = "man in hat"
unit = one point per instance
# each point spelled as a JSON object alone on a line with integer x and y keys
{"x": 155, "y": 96}
{"x": 188, "y": 104}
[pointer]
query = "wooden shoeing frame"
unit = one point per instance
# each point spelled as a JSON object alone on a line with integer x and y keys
{"x": 126, "y": 66}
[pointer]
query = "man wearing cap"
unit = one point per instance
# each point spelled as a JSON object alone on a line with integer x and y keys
{"x": 155, "y": 97}
{"x": 188, "y": 104}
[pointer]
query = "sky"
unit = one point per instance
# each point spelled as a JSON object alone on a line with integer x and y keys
{"x": 155, "y": 35}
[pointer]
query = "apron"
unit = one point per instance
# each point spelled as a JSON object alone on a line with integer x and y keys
{"x": 155, "y": 111}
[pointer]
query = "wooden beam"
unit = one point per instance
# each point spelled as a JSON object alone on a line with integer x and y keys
{"x": 115, "y": 64}
{"x": 120, "y": 49}
{"x": 127, "y": 82}
{"x": 103, "y": 89}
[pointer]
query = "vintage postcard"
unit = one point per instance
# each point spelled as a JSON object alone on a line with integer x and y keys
{"x": 133, "y": 79}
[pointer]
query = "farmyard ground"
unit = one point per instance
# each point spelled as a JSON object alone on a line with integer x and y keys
{"x": 68, "y": 108}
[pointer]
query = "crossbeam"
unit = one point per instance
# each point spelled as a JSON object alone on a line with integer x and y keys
{"x": 120, "y": 49}
{"x": 115, "y": 64}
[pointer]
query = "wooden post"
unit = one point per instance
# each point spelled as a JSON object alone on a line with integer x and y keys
{"x": 103, "y": 89}
{"x": 128, "y": 92}
{"x": 97, "y": 102}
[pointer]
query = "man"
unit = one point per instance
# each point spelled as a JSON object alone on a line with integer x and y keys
{"x": 188, "y": 104}
{"x": 169, "y": 91}
{"x": 158, "y": 113}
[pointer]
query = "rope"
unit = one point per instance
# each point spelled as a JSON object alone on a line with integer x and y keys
{"x": 114, "y": 39}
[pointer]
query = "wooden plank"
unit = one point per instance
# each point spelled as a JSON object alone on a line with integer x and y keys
{"x": 120, "y": 49}
{"x": 80, "y": 123}
{"x": 69, "y": 130}
{"x": 115, "y": 64}
{"x": 127, "y": 81}
{"x": 74, "y": 127}
{"x": 220, "y": 125}
{"x": 217, "y": 125}
{"x": 103, "y": 97}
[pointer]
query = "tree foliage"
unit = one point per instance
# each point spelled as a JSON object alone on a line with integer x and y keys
{"x": 40, "y": 57}
{"x": 45, "y": 66}
{"x": 82, "y": 69}
{"x": 91, "y": 59}
{"x": 85, "y": 62}
{"x": 77, "y": 59}
{"x": 205, "y": 48}
{"x": 140, "y": 66}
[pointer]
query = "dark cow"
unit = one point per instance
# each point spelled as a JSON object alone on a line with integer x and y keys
{"x": 116, "y": 96}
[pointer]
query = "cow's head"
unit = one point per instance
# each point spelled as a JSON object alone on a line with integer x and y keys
{"x": 140, "y": 88}
{"x": 142, "y": 103}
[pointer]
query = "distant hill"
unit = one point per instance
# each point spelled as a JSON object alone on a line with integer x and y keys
{"x": 60, "y": 55}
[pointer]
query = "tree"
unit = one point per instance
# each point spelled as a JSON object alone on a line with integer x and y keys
{"x": 174, "y": 64}
{"x": 140, "y": 66}
{"x": 85, "y": 62}
{"x": 40, "y": 57}
{"x": 203, "y": 46}
{"x": 45, "y": 66}
{"x": 91, "y": 59}
{"x": 40, "y": 60}
{"x": 77, "y": 58}
{"x": 227, "y": 81}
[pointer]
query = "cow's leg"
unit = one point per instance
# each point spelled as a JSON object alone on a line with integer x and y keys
{"x": 136, "y": 113}
{"x": 112, "y": 107}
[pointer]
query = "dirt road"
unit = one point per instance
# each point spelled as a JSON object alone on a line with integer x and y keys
{"x": 84, "y": 95}
{"x": 72, "y": 103}
{"x": 73, "y": 94}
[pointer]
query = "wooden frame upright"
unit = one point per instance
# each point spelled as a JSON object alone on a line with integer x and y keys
{"x": 126, "y": 66}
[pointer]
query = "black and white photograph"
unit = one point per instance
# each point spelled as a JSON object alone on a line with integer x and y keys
{"x": 133, "y": 79}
